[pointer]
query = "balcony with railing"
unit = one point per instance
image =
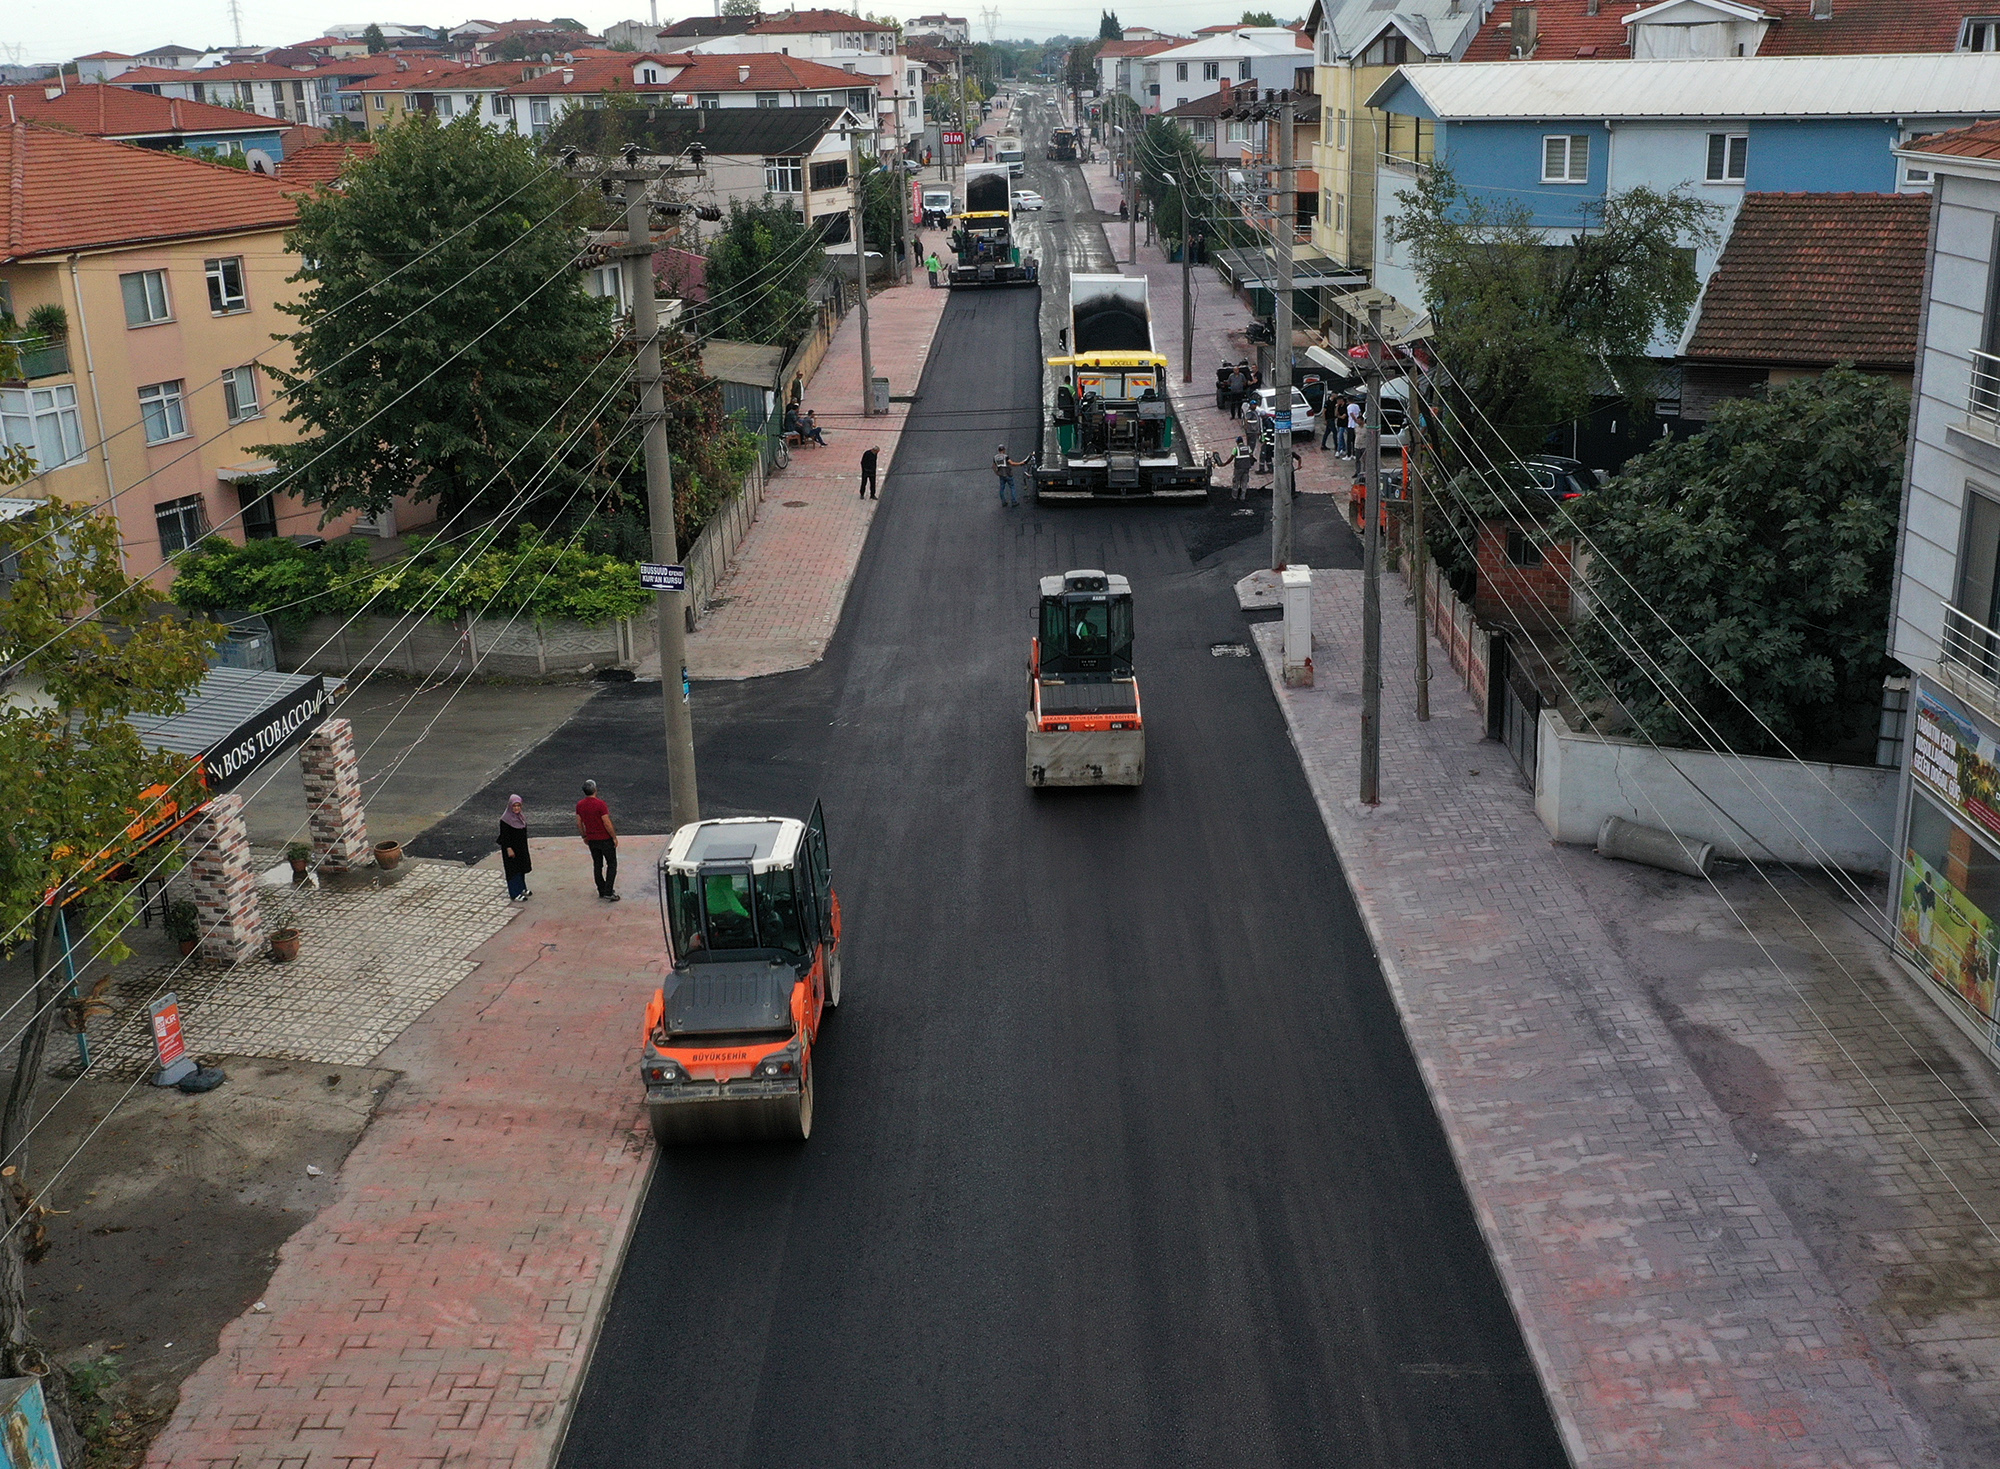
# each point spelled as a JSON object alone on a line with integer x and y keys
{"x": 1983, "y": 399}
{"x": 40, "y": 357}
{"x": 1969, "y": 659}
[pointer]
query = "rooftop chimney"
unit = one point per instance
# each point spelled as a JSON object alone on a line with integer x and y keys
{"x": 402, "y": 63}
{"x": 1524, "y": 30}
{"x": 743, "y": 72}
{"x": 569, "y": 75}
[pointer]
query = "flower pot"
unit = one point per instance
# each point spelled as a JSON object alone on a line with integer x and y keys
{"x": 388, "y": 854}
{"x": 188, "y": 946}
{"x": 285, "y": 945}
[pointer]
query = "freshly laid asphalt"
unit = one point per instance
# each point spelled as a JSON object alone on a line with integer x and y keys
{"x": 1120, "y": 1157}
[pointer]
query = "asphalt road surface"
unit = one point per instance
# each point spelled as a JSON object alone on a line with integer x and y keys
{"x": 1120, "y": 1157}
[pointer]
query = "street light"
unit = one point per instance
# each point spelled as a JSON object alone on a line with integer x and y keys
{"x": 1187, "y": 285}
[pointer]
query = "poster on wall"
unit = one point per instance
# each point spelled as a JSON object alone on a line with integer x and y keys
{"x": 1949, "y": 938}
{"x": 1952, "y": 757}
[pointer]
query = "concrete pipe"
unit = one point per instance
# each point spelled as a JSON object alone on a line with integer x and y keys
{"x": 1629, "y": 842}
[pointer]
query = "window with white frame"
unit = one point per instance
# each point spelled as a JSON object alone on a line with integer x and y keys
{"x": 1388, "y": 50}
{"x": 503, "y": 106}
{"x": 708, "y": 99}
{"x": 1980, "y": 33}
{"x": 145, "y": 293}
{"x": 1340, "y": 130}
{"x": 1566, "y": 158}
{"x": 1340, "y": 211}
{"x": 649, "y": 74}
{"x": 607, "y": 283}
{"x": 783, "y": 176}
{"x": 443, "y": 104}
{"x": 1180, "y": 71}
{"x": 825, "y": 99}
{"x": 1239, "y": 131}
{"x": 767, "y": 99}
{"x": 1916, "y": 177}
{"x": 1728, "y": 157}
{"x": 225, "y": 285}
{"x": 44, "y": 421}
{"x": 1211, "y": 71}
{"x": 181, "y": 523}
{"x": 1243, "y": 70}
{"x": 163, "y": 412}
{"x": 239, "y": 393}
{"x": 380, "y": 100}
{"x": 1326, "y": 46}
{"x": 538, "y": 114}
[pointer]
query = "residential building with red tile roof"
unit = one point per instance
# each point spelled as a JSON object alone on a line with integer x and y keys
{"x": 315, "y": 165}
{"x": 1806, "y": 281}
{"x": 1271, "y": 57}
{"x": 867, "y": 49}
{"x": 1555, "y": 30}
{"x": 1120, "y": 63}
{"x": 336, "y": 80}
{"x": 445, "y": 92}
{"x": 101, "y": 110}
{"x": 102, "y": 66}
{"x": 152, "y": 401}
{"x": 686, "y": 79}
{"x": 285, "y": 93}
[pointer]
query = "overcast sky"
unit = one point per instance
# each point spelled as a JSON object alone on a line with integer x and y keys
{"x": 55, "y": 30}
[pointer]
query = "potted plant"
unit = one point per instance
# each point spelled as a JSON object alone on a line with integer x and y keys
{"x": 388, "y": 854}
{"x": 299, "y": 854}
{"x": 50, "y": 321}
{"x": 184, "y": 924}
{"x": 285, "y": 945}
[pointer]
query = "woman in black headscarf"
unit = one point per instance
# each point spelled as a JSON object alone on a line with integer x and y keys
{"x": 514, "y": 851}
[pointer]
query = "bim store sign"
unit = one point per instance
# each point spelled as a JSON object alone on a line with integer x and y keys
{"x": 239, "y": 721}
{"x": 1949, "y": 896}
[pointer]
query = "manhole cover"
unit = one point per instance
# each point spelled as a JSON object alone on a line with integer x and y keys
{"x": 797, "y": 504}
{"x": 1229, "y": 650}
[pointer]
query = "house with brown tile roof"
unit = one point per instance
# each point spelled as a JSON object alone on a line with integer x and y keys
{"x": 1554, "y": 30}
{"x": 317, "y": 164}
{"x": 686, "y": 79}
{"x": 101, "y": 110}
{"x": 153, "y": 398}
{"x": 1806, "y": 281}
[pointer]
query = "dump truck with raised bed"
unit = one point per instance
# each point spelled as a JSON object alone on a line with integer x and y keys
{"x": 1084, "y": 723}
{"x": 1114, "y": 429}
{"x": 753, "y": 946}
{"x": 982, "y": 236}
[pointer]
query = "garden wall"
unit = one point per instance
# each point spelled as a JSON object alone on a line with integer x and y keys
{"x": 497, "y": 647}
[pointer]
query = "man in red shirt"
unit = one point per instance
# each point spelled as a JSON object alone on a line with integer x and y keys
{"x": 593, "y": 824}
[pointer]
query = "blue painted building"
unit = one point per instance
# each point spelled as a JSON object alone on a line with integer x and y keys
{"x": 1559, "y": 136}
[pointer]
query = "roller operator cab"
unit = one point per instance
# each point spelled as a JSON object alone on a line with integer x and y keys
{"x": 982, "y": 236}
{"x": 1084, "y": 723}
{"x": 753, "y": 937}
{"x": 1062, "y": 145}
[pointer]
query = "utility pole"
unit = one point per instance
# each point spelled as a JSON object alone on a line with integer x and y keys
{"x": 1187, "y": 281}
{"x": 1419, "y": 467}
{"x": 671, "y": 606}
{"x": 964, "y": 118}
{"x": 1132, "y": 187}
{"x": 861, "y": 270}
{"x": 1283, "y": 226}
{"x": 1371, "y": 573}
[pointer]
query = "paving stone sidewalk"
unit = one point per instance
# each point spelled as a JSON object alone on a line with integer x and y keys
{"x": 1677, "y": 1313}
{"x": 440, "y": 1311}
{"x": 777, "y": 606}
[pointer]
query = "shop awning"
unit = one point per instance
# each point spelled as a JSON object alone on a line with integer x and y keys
{"x": 229, "y": 474}
{"x": 1400, "y": 324}
{"x": 1255, "y": 270}
{"x": 240, "y": 720}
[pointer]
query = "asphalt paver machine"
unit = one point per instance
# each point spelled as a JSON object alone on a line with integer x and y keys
{"x": 753, "y": 939}
{"x": 1084, "y": 722}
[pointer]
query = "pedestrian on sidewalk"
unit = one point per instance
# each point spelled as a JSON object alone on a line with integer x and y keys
{"x": 868, "y": 462}
{"x": 514, "y": 858}
{"x": 1239, "y": 470}
{"x": 1353, "y": 449}
{"x": 1003, "y": 469}
{"x": 931, "y": 265}
{"x": 1239, "y": 384}
{"x": 1329, "y": 421}
{"x": 594, "y": 825}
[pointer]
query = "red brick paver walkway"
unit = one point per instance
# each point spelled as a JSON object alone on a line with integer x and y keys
{"x": 777, "y": 606}
{"x": 1674, "y": 1311}
{"x": 440, "y": 1312}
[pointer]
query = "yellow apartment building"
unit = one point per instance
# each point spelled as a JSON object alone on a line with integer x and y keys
{"x": 169, "y": 272}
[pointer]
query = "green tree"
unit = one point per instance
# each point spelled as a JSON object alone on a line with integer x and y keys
{"x": 1767, "y": 541}
{"x": 740, "y": 7}
{"x": 761, "y": 266}
{"x": 1108, "y": 28}
{"x": 96, "y": 649}
{"x": 1530, "y": 329}
{"x": 377, "y": 42}
{"x": 383, "y": 405}
{"x": 1080, "y": 69}
{"x": 1258, "y": 18}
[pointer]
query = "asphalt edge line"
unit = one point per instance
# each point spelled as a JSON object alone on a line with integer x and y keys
{"x": 1267, "y": 637}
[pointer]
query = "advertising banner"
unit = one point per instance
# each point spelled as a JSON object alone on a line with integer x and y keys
{"x": 1949, "y": 938}
{"x": 1953, "y": 758}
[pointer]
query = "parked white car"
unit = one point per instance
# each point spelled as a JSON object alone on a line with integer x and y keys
{"x": 1302, "y": 414}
